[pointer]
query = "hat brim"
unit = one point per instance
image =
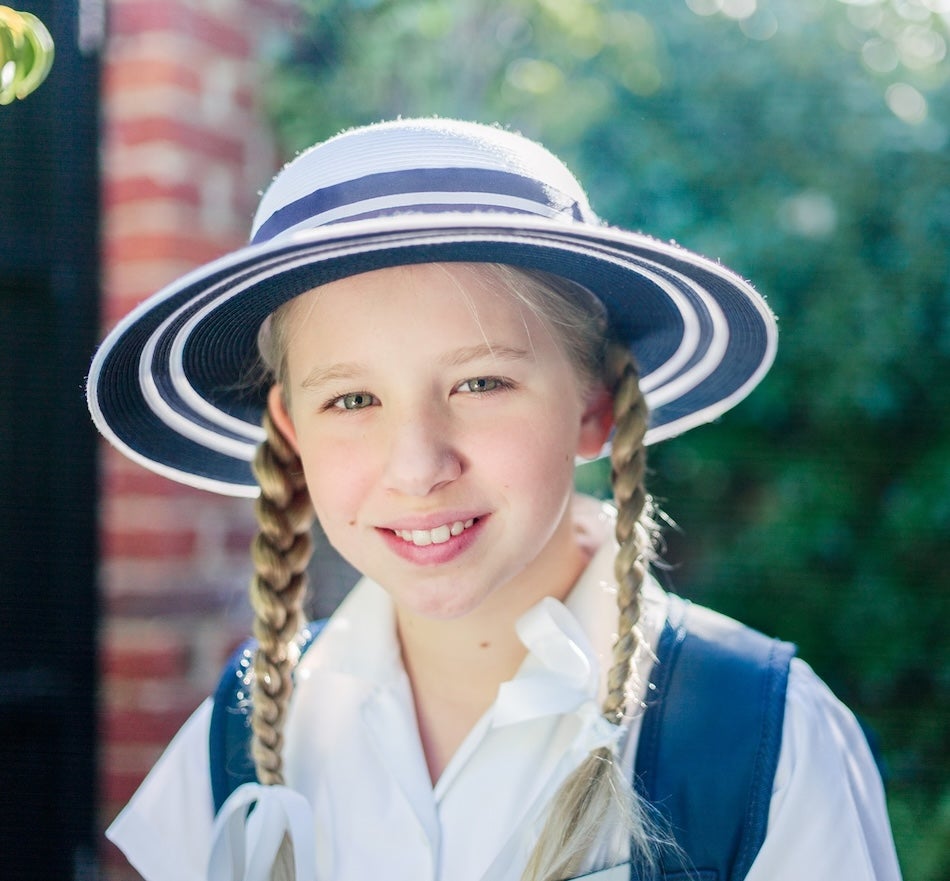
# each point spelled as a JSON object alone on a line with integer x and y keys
{"x": 175, "y": 385}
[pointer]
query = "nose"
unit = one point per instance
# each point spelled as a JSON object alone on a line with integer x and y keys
{"x": 421, "y": 455}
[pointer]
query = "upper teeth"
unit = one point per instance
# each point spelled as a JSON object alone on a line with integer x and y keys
{"x": 437, "y": 536}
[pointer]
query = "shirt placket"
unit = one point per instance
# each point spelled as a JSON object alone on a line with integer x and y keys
{"x": 393, "y": 736}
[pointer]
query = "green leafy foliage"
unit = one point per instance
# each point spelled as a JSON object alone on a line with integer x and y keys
{"x": 803, "y": 143}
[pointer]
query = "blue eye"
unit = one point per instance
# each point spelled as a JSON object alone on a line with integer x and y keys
{"x": 354, "y": 401}
{"x": 481, "y": 384}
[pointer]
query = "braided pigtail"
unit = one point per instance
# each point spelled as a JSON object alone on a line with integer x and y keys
{"x": 597, "y": 794}
{"x": 636, "y": 530}
{"x": 280, "y": 552}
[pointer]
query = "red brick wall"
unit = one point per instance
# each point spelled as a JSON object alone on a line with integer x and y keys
{"x": 185, "y": 151}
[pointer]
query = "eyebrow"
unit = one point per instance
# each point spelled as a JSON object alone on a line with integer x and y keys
{"x": 468, "y": 354}
{"x": 347, "y": 370}
{"x": 321, "y": 375}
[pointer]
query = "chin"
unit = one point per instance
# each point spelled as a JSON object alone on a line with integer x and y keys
{"x": 438, "y": 610}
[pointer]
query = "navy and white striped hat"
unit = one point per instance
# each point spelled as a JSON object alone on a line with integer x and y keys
{"x": 171, "y": 385}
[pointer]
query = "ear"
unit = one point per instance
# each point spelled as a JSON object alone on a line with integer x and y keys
{"x": 597, "y": 422}
{"x": 281, "y": 416}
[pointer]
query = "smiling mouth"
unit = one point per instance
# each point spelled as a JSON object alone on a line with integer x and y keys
{"x": 440, "y": 535}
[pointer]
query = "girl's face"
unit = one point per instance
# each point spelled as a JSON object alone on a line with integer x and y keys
{"x": 437, "y": 420}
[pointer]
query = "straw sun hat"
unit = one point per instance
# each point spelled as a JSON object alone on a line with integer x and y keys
{"x": 171, "y": 386}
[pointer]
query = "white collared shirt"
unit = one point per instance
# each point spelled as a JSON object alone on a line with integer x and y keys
{"x": 353, "y": 752}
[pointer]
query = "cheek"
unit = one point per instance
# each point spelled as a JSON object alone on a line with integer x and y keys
{"x": 538, "y": 459}
{"x": 338, "y": 477}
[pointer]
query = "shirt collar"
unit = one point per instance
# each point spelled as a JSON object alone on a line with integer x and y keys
{"x": 568, "y": 648}
{"x": 359, "y": 640}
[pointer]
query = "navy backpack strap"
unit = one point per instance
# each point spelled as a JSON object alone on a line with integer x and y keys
{"x": 229, "y": 737}
{"x": 710, "y": 740}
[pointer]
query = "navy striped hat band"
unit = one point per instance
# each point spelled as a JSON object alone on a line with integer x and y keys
{"x": 168, "y": 386}
{"x": 422, "y": 166}
{"x": 422, "y": 189}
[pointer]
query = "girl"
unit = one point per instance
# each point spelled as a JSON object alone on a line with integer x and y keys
{"x": 444, "y": 328}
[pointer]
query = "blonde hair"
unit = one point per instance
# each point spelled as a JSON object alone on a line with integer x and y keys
{"x": 597, "y": 792}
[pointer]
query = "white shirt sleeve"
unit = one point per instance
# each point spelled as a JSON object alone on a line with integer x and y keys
{"x": 165, "y": 830}
{"x": 828, "y": 818}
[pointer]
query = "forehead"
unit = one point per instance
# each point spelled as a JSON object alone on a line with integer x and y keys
{"x": 465, "y": 281}
{"x": 433, "y": 300}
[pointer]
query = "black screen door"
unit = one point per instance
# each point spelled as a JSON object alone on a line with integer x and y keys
{"x": 48, "y": 326}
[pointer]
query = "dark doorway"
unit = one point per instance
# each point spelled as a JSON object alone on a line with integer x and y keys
{"x": 48, "y": 326}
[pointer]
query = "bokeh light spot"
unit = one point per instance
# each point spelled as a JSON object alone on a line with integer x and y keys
{"x": 705, "y": 7}
{"x": 763, "y": 25}
{"x": 811, "y": 214}
{"x": 906, "y": 103}
{"x": 534, "y": 75}
{"x": 880, "y": 55}
{"x": 739, "y": 9}
{"x": 921, "y": 47}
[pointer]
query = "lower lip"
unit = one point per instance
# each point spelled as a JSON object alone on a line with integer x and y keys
{"x": 434, "y": 554}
